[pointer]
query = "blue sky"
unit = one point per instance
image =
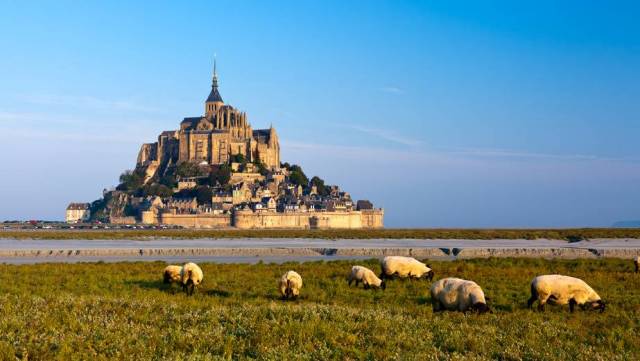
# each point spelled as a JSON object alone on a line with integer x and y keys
{"x": 447, "y": 114}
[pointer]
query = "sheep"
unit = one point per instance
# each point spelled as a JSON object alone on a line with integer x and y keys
{"x": 366, "y": 276}
{"x": 560, "y": 290}
{"x": 405, "y": 267}
{"x": 455, "y": 294}
{"x": 290, "y": 284}
{"x": 636, "y": 262}
{"x": 190, "y": 275}
{"x": 172, "y": 274}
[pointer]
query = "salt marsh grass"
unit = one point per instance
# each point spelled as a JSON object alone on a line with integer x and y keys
{"x": 124, "y": 311}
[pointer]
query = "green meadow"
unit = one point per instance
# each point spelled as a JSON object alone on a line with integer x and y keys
{"x": 123, "y": 311}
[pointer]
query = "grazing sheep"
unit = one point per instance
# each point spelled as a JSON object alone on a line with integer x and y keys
{"x": 172, "y": 274}
{"x": 366, "y": 276}
{"x": 636, "y": 262}
{"x": 455, "y": 294}
{"x": 560, "y": 290}
{"x": 190, "y": 275}
{"x": 290, "y": 284}
{"x": 405, "y": 267}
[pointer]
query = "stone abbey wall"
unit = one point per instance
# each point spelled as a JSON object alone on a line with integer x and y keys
{"x": 309, "y": 220}
{"x": 272, "y": 220}
{"x": 196, "y": 220}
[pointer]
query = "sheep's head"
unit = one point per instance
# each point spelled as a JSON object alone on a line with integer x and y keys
{"x": 598, "y": 305}
{"x": 428, "y": 275}
{"x": 481, "y": 307}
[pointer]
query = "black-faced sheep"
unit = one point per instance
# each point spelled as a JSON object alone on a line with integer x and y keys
{"x": 562, "y": 290}
{"x": 366, "y": 276}
{"x": 455, "y": 294}
{"x": 171, "y": 274}
{"x": 404, "y": 267}
{"x": 191, "y": 276}
{"x": 290, "y": 284}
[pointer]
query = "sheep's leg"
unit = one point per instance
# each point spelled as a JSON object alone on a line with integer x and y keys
{"x": 350, "y": 280}
{"x": 533, "y": 298}
{"x": 435, "y": 305}
{"x": 366, "y": 286}
{"x": 357, "y": 283}
{"x": 572, "y": 305}
{"x": 541, "y": 303}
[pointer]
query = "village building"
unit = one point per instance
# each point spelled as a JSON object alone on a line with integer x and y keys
{"x": 78, "y": 212}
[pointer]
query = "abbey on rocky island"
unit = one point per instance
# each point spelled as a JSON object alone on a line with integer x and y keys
{"x": 216, "y": 171}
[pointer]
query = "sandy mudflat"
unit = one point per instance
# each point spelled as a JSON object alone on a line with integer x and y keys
{"x": 282, "y": 250}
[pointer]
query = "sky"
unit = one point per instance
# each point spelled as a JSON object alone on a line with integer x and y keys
{"x": 446, "y": 114}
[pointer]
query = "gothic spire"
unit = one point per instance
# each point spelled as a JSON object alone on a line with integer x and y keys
{"x": 214, "y": 96}
{"x": 215, "y": 74}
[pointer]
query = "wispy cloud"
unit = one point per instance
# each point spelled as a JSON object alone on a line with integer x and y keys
{"x": 508, "y": 153}
{"x": 454, "y": 155}
{"x": 391, "y": 89}
{"x": 55, "y": 127}
{"x": 88, "y": 102}
{"x": 71, "y": 136}
{"x": 387, "y": 135}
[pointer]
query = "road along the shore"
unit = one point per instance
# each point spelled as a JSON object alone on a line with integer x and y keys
{"x": 296, "y": 249}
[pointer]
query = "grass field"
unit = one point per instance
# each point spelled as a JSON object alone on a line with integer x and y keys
{"x": 390, "y": 233}
{"x": 123, "y": 311}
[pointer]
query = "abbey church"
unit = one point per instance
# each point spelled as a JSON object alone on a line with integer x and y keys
{"x": 212, "y": 138}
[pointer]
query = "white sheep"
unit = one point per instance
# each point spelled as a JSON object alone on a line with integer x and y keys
{"x": 290, "y": 284}
{"x": 172, "y": 274}
{"x": 562, "y": 290}
{"x": 455, "y": 294}
{"x": 405, "y": 267}
{"x": 366, "y": 276}
{"x": 636, "y": 262}
{"x": 190, "y": 275}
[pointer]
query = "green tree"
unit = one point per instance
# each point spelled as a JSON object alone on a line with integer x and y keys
{"x": 169, "y": 181}
{"x": 188, "y": 169}
{"x": 131, "y": 181}
{"x": 220, "y": 174}
{"x": 203, "y": 194}
{"x": 319, "y": 183}
{"x": 238, "y": 158}
{"x": 297, "y": 176}
{"x": 261, "y": 167}
{"x": 157, "y": 190}
{"x": 129, "y": 211}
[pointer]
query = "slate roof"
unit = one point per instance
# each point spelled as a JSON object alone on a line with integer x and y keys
{"x": 214, "y": 96}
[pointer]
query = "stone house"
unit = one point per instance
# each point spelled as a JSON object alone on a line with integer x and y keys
{"x": 78, "y": 212}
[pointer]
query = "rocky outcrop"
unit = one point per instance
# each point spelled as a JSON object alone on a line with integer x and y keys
{"x": 148, "y": 153}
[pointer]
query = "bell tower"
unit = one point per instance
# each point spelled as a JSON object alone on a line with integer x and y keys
{"x": 214, "y": 101}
